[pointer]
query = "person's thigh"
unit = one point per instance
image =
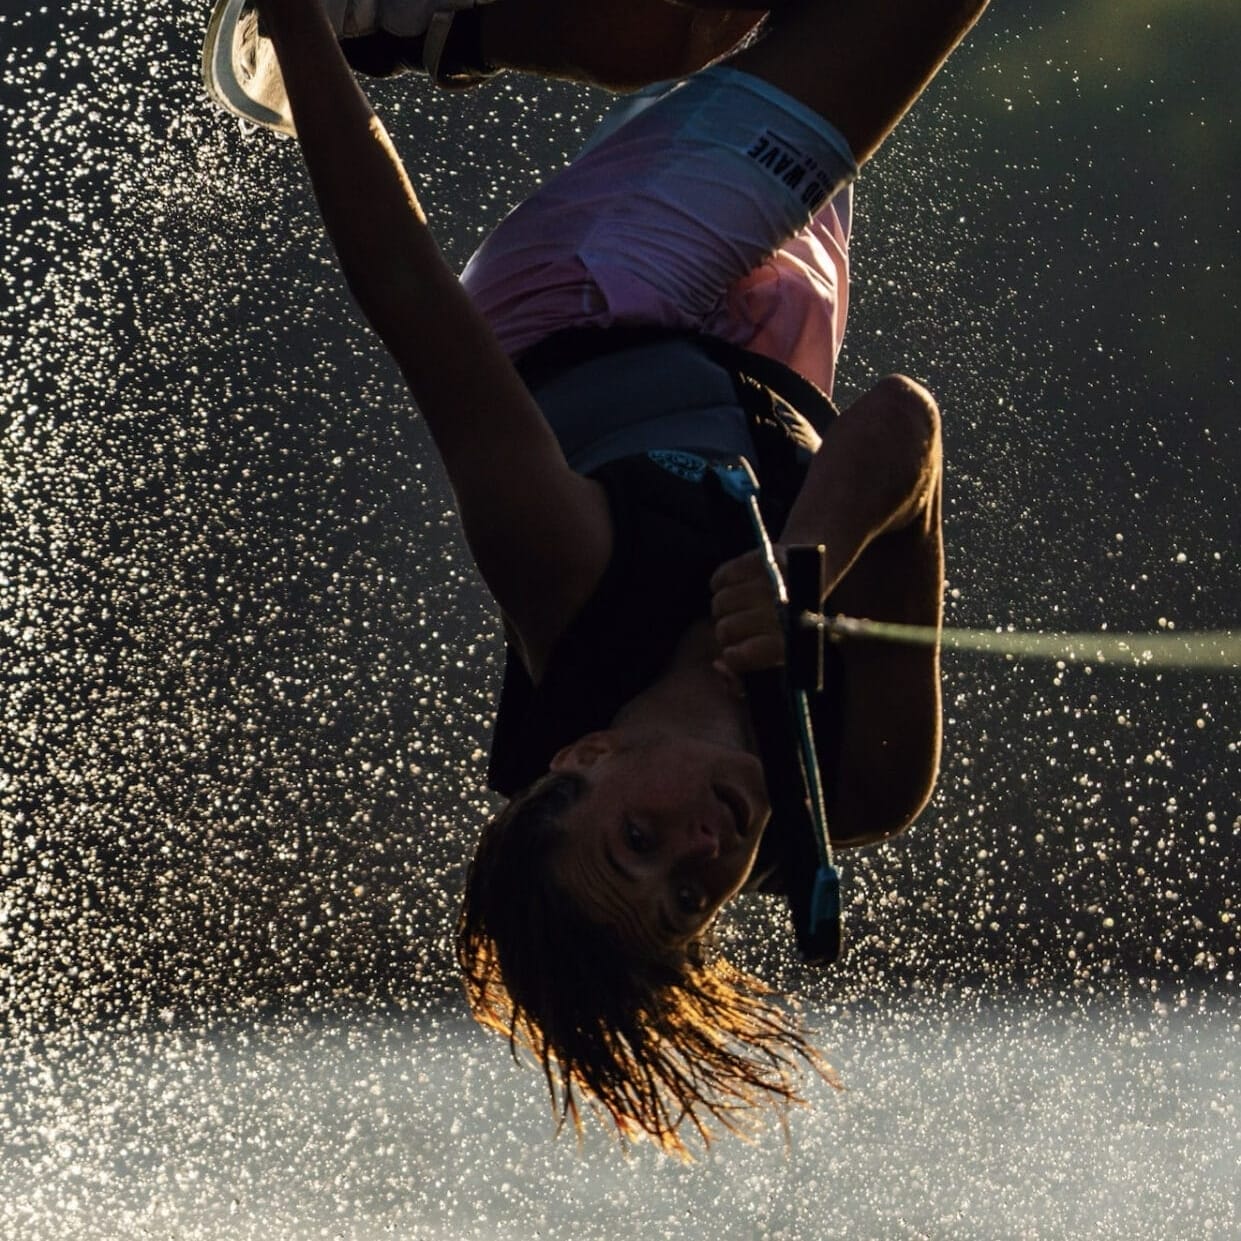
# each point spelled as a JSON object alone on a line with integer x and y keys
{"x": 859, "y": 64}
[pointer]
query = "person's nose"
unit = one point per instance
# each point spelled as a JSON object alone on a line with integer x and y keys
{"x": 700, "y": 842}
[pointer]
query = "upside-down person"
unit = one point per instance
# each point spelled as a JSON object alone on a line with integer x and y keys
{"x": 656, "y": 295}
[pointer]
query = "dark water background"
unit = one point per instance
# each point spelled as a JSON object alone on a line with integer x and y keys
{"x": 247, "y": 668}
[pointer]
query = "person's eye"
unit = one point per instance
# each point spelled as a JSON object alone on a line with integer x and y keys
{"x": 636, "y": 838}
{"x": 690, "y": 899}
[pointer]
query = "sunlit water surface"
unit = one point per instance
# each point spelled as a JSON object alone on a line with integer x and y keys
{"x": 1006, "y": 1121}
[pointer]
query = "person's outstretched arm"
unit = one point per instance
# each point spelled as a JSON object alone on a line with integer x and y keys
{"x": 539, "y": 533}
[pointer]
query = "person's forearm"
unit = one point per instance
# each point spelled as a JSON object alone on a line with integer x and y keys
{"x": 478, "y": 411}
{"x": 376, "y": 225}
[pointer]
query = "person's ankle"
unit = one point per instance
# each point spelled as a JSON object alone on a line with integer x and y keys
{"x": 461, "y": 62}
{"x": 382, "y": 55}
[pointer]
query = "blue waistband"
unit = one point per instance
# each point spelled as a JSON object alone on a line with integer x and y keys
{"x": 665, "y": 395}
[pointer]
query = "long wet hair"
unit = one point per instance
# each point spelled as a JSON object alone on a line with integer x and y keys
{"x": 665, "y": 1044}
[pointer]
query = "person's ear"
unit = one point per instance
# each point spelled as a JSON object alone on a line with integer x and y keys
{"x": 585, "y": 752}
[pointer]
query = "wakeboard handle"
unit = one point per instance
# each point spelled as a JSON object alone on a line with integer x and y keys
{"x": 780, "y": 706}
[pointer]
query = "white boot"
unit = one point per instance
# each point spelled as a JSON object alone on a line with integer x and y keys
{"x": 240, "y": 70}
{"x": 239, "y": 65}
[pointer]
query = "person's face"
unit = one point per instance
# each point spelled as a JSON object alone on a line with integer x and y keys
{"x": 666, "y": 832}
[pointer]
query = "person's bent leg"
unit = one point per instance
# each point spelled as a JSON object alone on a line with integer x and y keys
{"x": 618, "y": 44}
{"x": 860, "y": 64}
{"x": 621, "y": 45}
